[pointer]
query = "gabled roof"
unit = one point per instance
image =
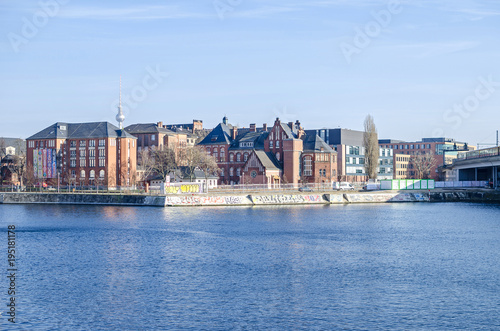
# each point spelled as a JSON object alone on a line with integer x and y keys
{"x": 221, "y": 134}
{"x": 268, "y": 160}
{"x": 146, "y": 128}
{"x": 314, "y": 143}
{"x": 62, "y": 130}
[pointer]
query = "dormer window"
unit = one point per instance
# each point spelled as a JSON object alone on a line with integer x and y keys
{"x": 62, "y": 127}
{"x": 214, "y": 138}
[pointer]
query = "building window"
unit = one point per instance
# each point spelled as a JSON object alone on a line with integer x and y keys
{"x": 82, "y": 174}
{"x": 73, "y": 174}
{"x": 101, "y": 174}
{"x": 82, "y": 153}
{"x": 270, "y": 143}
{"x": 238, "y": 157}
{"x": 238, "y": 172}
{"x": 208, "y": 150}
{"x": 245, "y": 157}
{"x": 72, "y": 143}
{"x": 91, "y": 143}
{"x": 277, "y": 144}
{"x": 102, "y": 142}
{"x": 231, "y": 171}
{"x": 102, "y": 152}
{"x": 92, "y": 174}
{"x": 153, "y": 137}
{"x": 83, "y": 143}
{"x": 91, "y": 162}
{"x": 82, "y": 163}
{"x": 102, "y": 162}
{"x": 278, "y": 156}
{"x": 92, "y": 152}
{"x": 307, "y": 166}
{"x": 72, "y": 163}
{"x": 72, "y": 154}
{"x": 222, "y": 172}
{"x": 231, "y": 157}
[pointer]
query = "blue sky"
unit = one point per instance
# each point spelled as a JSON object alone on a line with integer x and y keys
{"x": 425, "y": 68}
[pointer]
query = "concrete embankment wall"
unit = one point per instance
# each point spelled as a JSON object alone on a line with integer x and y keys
{"x": 247, "y": 200}
{"x": 82, "y": 199}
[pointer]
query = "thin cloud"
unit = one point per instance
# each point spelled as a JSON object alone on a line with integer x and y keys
{"x": 129, "y": 13}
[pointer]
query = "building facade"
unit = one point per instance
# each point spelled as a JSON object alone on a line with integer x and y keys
{"x": 83, "y": 154}
{"x": 281, "y": 153}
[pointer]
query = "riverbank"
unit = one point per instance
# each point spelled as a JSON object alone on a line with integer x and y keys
{"x": 252, "y": 199}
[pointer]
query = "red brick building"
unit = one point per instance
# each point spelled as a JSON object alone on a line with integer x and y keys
{"x": 84, "y": 154}
{"x": 269, "y": 155}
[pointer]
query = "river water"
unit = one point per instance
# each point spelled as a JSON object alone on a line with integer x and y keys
{"x": 359, "y": 267}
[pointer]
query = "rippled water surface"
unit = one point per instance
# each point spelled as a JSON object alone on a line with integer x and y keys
{"x": 387, "y": 266}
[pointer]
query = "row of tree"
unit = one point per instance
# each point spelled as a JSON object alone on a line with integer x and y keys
{"x": 163, "y": 162}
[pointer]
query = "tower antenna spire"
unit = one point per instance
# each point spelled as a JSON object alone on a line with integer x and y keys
{"x": 120, "y": 117}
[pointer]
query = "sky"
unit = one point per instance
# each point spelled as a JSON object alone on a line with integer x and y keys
{"x": 421, "y": 68}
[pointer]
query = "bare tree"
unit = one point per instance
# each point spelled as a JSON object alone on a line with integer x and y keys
{"x": 3, "y": 148}
{"x": 18, "y": 167}
{"x": 370, "y": 143}
{"x": 194, "y": 157}
{"x": 423, "y": 164}
{"x": 161, "y": 162}
{"x": 209, "y": 166}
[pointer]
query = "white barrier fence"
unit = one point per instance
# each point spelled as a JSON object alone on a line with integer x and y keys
{"x": 459, "y": 184}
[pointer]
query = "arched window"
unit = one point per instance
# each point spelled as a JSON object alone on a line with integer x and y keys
{"x": 277, "y": 144}
{"x": 278, "y": 156}
{"x": 101, "y": 174}
{"x": 238, "y": 172}
{"x": 231, "y": 157}
{"x": 238, "y": 157}
{"x": 208, "y": 150}
{"x": 82, "y": 174}
{"x": 222, "y": 172}
{"x": 245, "y": 157}
{"x": 92, "y": 174}
{"x": 231, "y": 171}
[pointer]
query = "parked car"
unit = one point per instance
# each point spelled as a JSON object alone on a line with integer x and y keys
{"x": 343, "y": 186}
{"x": 305, "y": 189}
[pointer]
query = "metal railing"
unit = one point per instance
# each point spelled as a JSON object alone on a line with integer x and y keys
{"x": 488, "y": 152}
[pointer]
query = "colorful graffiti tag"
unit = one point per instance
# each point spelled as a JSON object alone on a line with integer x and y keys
{"x": 206, "y": 200}
{"x": 285, "y": 199}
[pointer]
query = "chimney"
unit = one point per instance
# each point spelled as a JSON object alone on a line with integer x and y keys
{"x": 234, "y": 132}
{"x": 264, "y": 126}
{"x": 159, "y": 124}
{"x": 277, "y": 121}
{"x": 253, "y": 128}
{"x": 300, "y": 132}
{"x": 290, "y": 124}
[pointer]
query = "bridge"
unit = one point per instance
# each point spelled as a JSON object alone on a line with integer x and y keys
{"x": 482, "y": 164}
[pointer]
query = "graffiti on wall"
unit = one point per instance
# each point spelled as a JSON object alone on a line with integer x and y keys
{"x": 205, "y": 200}
{"x": 286, "y": 198}
{"x": 185, "y": 188}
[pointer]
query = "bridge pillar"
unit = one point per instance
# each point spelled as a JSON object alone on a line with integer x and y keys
{"x": 475, "y": 174}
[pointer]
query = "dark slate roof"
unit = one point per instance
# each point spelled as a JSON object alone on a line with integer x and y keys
{"x": 288, "y": 130}
{"x": 268, "y": 160}
{"x": 17, "y": 143}
{"x": 146, "y": 128}
{"x": 221, "y": 134}
{"x": 314, "y": 143}
{"x": 81, "y": 130}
